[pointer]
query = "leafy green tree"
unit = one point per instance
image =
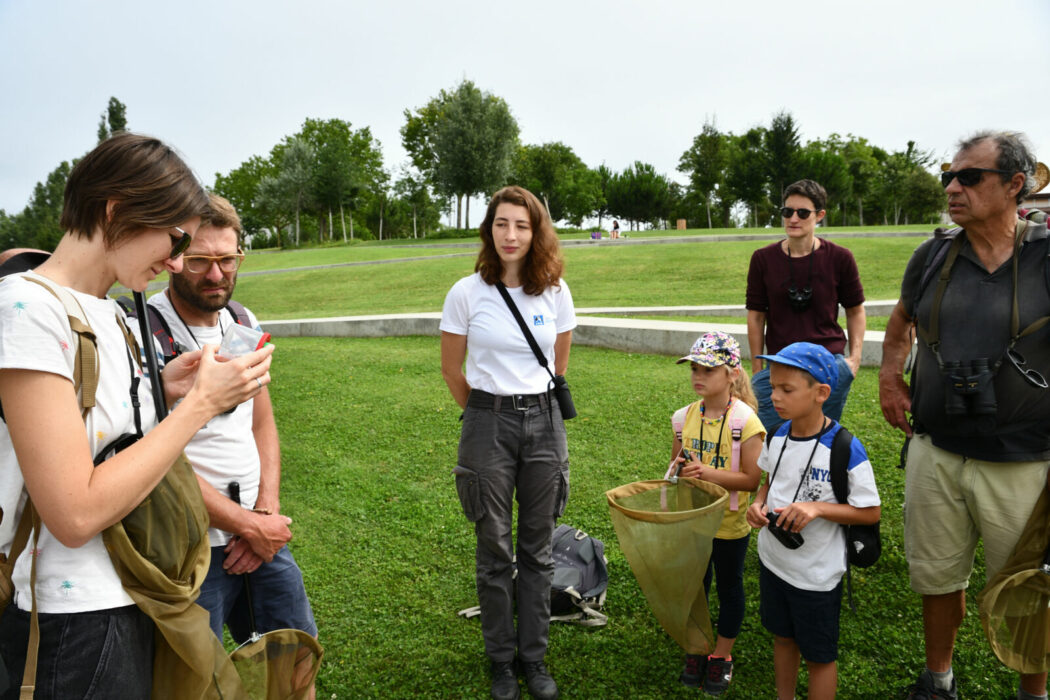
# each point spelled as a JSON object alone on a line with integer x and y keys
{"x": 463, "y": 141}
{"x": 554, "y": 173}
{"x": 781, "y": 155}
{"x": 241, "y": 187}
{"x": 924, "y": 198}
{"x": 640, "y": 194}
{"x": 603, "y": 176}
{"x": 746, "y": 176}
{"x": 826, "y": 165}
{"x": 113, "y": 120}
{"x": 289, "y": 189}
{"x": 705, "y": 163}
{"x": 411, "y": 189}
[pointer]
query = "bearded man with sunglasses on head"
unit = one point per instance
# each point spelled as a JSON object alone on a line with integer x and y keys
{"x": 794, "y": 289}
{"x": 977, "y": 461}
{"x": 240, "y": 446}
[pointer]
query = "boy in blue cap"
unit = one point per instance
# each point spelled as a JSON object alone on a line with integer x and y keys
{"x": 801, "y": 544}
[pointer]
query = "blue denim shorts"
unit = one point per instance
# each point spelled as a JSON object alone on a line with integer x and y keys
{"x": 278, "y": 597}
{"x": 811, "y": 618}
{"x": 102, "y": 654}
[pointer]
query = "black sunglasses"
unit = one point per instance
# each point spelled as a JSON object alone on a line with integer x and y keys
{"x": 180, "y": 243}
{"x": 968, "y": 177}
{"x": 788, "y": 212}
{"x": 1032, "y": 376}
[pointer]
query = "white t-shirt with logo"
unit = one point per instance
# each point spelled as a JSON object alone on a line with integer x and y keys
{"x": 499, "y": 359}
{"x": 224, "y": 450}
{"x": 35, "y": 335}
{"x": 820, "y": 562}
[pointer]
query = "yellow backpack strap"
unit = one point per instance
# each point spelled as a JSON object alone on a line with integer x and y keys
{"x": 85, "y": 365}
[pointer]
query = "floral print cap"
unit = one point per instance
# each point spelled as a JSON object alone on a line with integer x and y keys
{"x": 714, "y": 349}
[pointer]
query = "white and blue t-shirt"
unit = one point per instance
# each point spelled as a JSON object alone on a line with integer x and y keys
{"x": 820, "y": 562}
{"x": 499, "y": 359}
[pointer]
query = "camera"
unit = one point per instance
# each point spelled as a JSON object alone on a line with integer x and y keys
{"x": 800, "y": 298}
{"x": 791, "y": 540}
{"x": 564, "y": 397}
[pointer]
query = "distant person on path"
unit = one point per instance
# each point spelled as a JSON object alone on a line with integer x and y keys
{"x": 794, "y": 289}
{"x": 706, "y": 434}
{"x": 513, "y": 438}
{"x": 980, "y": 412}
{"x": 615, "y": 233}
{"x": 241, "y": 446}
{"x": 800, "y": 581}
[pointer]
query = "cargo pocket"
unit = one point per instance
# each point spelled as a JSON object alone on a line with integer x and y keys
{"x": 563, "y": 490}
{"x": 468, "y": 486}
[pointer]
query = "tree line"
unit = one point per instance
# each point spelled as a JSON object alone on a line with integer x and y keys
{"x": 328, "y": 181}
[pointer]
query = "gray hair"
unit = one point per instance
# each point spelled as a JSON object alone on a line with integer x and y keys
{"x": 1015, "y": 155}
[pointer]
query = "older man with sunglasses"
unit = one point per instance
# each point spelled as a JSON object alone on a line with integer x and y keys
{"x": 980, "y": 413}
{"x": 794, "y": 289}
{"x": 239, "y": 447}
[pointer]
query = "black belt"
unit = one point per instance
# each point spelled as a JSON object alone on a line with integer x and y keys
{"x": 515, "y": 402}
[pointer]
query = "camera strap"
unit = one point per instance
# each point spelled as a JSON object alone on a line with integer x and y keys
{"x": 809, "y": 462}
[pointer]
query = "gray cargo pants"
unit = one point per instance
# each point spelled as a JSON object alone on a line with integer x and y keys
{"x": 512, "y": 444}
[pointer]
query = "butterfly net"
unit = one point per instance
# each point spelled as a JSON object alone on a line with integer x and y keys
{"x": 279, "y": 665}
{"x": 1014, "y": 604}
{"x": 665, "y": 530}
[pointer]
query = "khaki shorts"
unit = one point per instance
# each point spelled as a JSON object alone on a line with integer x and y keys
{"x": 950, "y": 501}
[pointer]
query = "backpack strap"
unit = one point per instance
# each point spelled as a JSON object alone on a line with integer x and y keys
{"x": 841, "y": 447}
{"x": 739, "y": 414}
{"x": 162, "y": 334}
{"x": 239, "y": 313}
{"x": 86, "y": 363}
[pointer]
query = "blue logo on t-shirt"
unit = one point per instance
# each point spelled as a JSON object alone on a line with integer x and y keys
{"x": 537, "y": 319}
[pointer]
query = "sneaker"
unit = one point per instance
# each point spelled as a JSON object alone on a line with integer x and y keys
{"x": 539, "y": 681}
{"x": 693, "y": 672}
{"x": 504, "y": 681}
{"x": 719, "y": 673}
{"x": 924, "y": 689}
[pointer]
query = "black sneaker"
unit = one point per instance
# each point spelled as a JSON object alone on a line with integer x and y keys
{"x": 719, "y": 673}
{"x": 693, "y": 672}
{"x": 539, "y": 681}
{"x": 924, "y": 689}
{"x": 504, "y": 681}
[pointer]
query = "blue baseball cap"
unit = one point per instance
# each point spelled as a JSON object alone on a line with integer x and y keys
{"x": 809, "y": 357}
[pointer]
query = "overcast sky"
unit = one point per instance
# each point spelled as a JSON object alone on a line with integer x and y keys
{"x": 617, "y": 81}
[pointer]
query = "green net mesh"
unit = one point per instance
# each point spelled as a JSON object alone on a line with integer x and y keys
{"x": 279, "y": 665}
{"x": 665, "y": 531}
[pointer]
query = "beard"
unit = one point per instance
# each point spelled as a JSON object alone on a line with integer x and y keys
{"x": 191, "y": 293}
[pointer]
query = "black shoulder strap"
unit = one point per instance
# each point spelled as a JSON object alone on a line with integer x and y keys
{"x": 240, "y": 314}
{"x": 841, "y": 447}
{"x": 524, "y": 328}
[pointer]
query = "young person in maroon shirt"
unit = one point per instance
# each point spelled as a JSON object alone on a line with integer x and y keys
{"x": 794, "y": 289}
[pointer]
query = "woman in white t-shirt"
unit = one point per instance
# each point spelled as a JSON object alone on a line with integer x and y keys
{"x": 130, "y": 209}
{"x": 513, "y": 438}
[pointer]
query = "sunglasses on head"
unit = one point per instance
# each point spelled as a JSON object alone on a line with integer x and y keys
{"x": 968, "y": 177}
{"x": 788, "y": 212}
{"x": 179, "y": 243}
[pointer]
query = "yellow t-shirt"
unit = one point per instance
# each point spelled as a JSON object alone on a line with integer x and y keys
{"x": 700, "y": 436}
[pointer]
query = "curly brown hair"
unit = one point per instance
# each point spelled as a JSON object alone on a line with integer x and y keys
{"x": 543, "y": 263}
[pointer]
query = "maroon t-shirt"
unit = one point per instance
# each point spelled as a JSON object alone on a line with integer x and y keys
{"x": 834, "y": 280}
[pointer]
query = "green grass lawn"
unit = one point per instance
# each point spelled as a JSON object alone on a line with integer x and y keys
{"x": 671, "y": 274}
{"x": 369, "y": 435}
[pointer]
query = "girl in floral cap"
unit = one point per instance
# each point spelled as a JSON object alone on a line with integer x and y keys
{"x": 718, "y": 439}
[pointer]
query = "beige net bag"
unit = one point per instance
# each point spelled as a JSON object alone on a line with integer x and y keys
{"x": 665, "y": 530}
